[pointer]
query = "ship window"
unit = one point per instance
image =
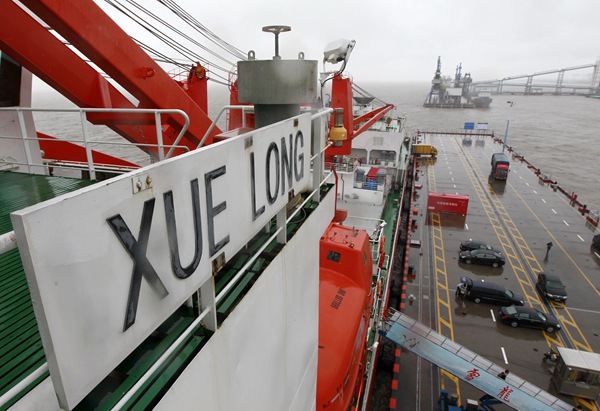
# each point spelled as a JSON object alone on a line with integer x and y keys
{"x": 10, "y": 81}
{"x": 333, "y": 256}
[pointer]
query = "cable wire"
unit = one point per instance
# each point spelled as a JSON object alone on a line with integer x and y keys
{"x": 170, "y": 40}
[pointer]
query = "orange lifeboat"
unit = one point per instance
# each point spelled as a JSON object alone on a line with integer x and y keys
{"x": 345, "y": 301}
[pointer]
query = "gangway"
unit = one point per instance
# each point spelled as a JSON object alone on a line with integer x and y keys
{"x": 468, "y": 366}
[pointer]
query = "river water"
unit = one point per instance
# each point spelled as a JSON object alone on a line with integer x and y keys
{"x": 560, "y": 135}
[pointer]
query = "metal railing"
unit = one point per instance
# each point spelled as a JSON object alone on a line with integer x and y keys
{"x": 87, "y": 141}
{"x": 317, "y": 175}
{"x": 239, "y": 276}
{"x": 224, "y": 109}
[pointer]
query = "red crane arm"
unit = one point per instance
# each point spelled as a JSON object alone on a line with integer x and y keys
{"x": 35, "y": 48}
{"x": 341, "y": 97}
{"x": 372, "y": 116}
{"x": 95, "y": 35}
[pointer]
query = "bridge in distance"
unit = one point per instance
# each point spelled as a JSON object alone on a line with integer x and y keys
{"x": 545, "y": 82}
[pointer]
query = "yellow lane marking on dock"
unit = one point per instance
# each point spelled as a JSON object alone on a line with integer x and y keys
{"x": 572, "y": 329}
{"x": 443, "y": 306}
{"x": 588, "y": 404}
{"x": 558, "y": 244}
{"x": 569, "y": 325}
{"x": 526, "y": 284}
{"x": 494, "y": 215}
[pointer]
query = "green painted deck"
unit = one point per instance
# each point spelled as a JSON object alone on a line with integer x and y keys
{"x": 390, "y": 216}
{"x": 21, "y": 349}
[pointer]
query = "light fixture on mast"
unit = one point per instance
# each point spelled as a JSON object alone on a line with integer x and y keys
{"x": 338, "y": 50}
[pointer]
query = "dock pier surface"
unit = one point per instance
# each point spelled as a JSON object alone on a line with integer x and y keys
{"x": 519, "y": 216}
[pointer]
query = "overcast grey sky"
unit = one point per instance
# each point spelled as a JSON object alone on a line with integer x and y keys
{"x": 401, "y": 39}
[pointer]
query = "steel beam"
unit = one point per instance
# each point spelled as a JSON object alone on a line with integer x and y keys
{"x": 85, "y": 26}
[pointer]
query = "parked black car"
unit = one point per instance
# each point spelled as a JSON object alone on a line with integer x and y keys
{"x": 528, "y": 317}
{"x": 474, "y": 245}
{"x": 551, "y": 286}
{"x": 596, "y": 241}
{"x": 486, "y": 257}
{"x": 487, "y": 292}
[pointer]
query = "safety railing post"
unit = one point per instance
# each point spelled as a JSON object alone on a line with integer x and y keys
{"x": 88, "y": 149}
{"x": 25, "y": 139}
{"x": 159, "y": 136}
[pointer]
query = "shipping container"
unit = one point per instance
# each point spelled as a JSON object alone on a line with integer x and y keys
{"x": 447, "y": 203}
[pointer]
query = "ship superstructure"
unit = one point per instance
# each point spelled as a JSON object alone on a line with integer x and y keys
{"x": 204, "y": 270}
{"x": 246, "y": 268}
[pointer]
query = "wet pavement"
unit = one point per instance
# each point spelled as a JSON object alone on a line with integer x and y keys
{"x": 519, "y": 216}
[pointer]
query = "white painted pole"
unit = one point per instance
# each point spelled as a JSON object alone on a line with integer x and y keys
{"x": 10, "y": 394}
{"x": 8, "y": 242}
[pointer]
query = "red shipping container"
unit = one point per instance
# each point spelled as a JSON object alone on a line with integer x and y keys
{"x": 447, "y": 203}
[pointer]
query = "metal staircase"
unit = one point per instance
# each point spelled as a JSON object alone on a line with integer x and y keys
{"x": 468, "y": 366}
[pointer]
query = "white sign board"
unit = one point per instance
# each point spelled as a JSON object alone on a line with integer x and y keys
{"x": 109, "y": 263}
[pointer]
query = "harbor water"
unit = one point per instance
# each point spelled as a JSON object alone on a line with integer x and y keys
{"x": 560, "y": 135}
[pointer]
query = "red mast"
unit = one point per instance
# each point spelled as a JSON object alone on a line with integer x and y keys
{"x": 341, "y": 97}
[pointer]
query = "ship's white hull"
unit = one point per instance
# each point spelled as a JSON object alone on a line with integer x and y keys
{"x": 266, "y": 350}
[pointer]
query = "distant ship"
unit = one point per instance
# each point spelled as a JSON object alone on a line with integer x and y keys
{"x": 455, "y": 93}
{"x": 483, "y": 99}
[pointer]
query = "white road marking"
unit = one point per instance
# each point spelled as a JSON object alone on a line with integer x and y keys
{"x": 535, "y": 192}
{"x": 504, "y": 355}
{"x": 544, "y": 201}
{"x": 554, "y": 211}
{"x": 580, "y": 238}
{"x": 571, "y": 308}
{"x": 493, "y": 316}
{"x": 467, "y": 226}
{"x": 567, "y": 224}
{"x": 527, "y": 184}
